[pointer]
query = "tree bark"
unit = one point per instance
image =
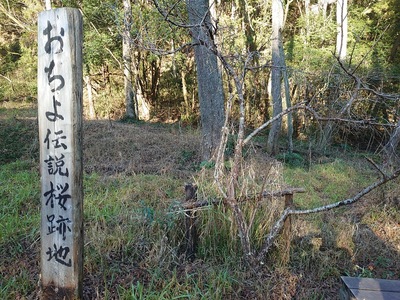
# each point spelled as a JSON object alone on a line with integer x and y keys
{"x": 287, "y": 98}
{"x": 185, "y": 95}
{"x": 209, "y": 78}
{"x": 127, "y": 61}
{"x": 48, "y": 4}
{"x": 92, "y": 112}
{"x": 341, "y": 19}
{"x": 141, "y": 104}
{"x": 276, "y": 75}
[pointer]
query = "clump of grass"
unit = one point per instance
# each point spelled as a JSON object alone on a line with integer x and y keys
{"x": 219, "y": 228}
{"x": 19, "y": 199}
{"x": 18, "y": 140}
{"x": 19, "y": 228}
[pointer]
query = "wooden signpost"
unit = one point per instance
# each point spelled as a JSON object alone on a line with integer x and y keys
{"x": 60, "y": 138}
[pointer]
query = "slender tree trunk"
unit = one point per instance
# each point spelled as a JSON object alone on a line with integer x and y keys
{"x": 48, "y": 4}
{"x": 185, "y": 94}
{"x": 276, "y": 75}
{"x": 127, "y": 60}
{"x": 307, "y": 12}
{"x": 141, "y": 104}
{"x": 92, "y": 112}
{"x": 209, "y": 78}
{"x": 287, "y": 98}
{"x": 390, "y": 148}
{"x": 174, "y": 68}
{"x": 137, "y": 107}
{"x": 341, "y": 19}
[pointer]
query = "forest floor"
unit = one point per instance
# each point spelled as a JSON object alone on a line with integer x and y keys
{"x": 134, "y": 176}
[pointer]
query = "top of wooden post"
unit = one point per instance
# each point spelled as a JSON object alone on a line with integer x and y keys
{"x": 48, "y": 4}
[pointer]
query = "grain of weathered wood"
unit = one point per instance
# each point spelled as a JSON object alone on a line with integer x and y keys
{"x": 191, "y": 234}
{"x": 287, "y": 229}
{"x": 369, "y": 288}
{"x": 60, "y": 138}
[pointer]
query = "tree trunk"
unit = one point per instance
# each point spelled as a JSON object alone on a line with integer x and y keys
{"x": 307, "y": 12}
{"x": 48, "y": 4}
{"x": 390, "y": 148}
{"x": 127, "y": 60}
{"x": 287, "y": 98}
{"x": 341, "y": 19}
{"x": 185, "y": 95}
{"x": 141, "y": 104}
{"x": 276, "y": 75}
{"x": 92, "y": 112}
{"x": 209, "y": 78}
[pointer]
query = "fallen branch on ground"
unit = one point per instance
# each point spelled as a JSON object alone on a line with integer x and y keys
{"x": 276, "y": 229}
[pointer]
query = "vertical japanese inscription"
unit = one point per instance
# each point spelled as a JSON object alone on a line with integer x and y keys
{"x": 60, "y": 123}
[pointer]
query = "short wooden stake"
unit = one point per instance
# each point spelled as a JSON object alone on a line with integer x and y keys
{"x": 60, "y": 138}
{"x": 191, "y": 234}
{"x": 287, "y": 228}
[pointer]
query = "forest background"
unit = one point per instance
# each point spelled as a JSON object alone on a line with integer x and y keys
{"x": 164, "y": 69}
{"x": 345, "y": 103}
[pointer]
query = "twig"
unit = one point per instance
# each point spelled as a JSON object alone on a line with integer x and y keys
{"x": 5, "y": 77}
{"x": 376, "y": 166}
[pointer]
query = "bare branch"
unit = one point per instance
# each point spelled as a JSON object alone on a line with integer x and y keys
{"x": 266, "y": 124}
{"x": 362, "y": 86}
{"x": 376, "y": 166}
{"x": 372, "y": 47}
{"x": 6, "y": 78}
{"x": 16, "y": 21}
{"x": 276, "y": 229}
{"x": 339, "y": 119}
{"x": 163, "y": 52}
{"x": 167, "y": 14}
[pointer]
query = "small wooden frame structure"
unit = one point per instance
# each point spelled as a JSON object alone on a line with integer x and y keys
{"x": 355, "y": 288}
{"x": 191, "y": 204}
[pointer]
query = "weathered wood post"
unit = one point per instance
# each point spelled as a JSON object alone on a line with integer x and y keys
{"x": 60, "y": 136}
{"x": 191, "y": 235}
{"x": 287, "y": 229}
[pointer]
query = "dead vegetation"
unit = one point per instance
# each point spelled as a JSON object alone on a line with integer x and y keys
{"x": 116, "y": 147}
{"x": 133, "y": 250}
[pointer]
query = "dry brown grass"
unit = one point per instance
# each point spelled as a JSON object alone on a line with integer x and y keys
{"x": 114, "y": 147}
{"x": 356, "y": 241}
{"x": 361, "y": 240}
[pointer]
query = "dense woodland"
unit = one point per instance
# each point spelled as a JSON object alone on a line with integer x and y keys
{"x": 249, "y": 81}
{"x": 140, "y": 58}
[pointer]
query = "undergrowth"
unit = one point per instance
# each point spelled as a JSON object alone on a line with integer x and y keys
{"x": 134, "y": 227}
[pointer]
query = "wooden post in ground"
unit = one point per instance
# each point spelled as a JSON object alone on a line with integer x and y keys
{"x": 60, "y": 139}
{"x": 191, "y": 235}
{"x": 287, "y": 228}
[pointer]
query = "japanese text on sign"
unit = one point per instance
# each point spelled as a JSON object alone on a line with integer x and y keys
{"x": 56, "y": 196}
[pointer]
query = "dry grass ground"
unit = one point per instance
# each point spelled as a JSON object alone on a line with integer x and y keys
{"x": 115, "y": 147}
{"x": 134, "y": 175}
